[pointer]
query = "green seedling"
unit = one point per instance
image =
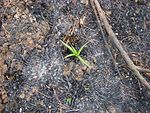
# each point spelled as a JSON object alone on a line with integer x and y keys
{"x": 69, "y": 100}
{"x": 76, "y": 53}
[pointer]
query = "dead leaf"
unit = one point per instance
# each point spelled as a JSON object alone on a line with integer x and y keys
{"x": 4, "y": 96}
{"x": 79, "y": 72}
{"x": 1, "y": 108}
{"x": 66, "y": 71}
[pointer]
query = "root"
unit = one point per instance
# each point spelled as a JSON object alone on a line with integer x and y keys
{"x": 102, "y": 18}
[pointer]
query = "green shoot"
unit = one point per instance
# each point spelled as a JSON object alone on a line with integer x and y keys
{"x": 69, "y": 100}
{"x": 81, "y": 49}
{"x": 76, "y": 53}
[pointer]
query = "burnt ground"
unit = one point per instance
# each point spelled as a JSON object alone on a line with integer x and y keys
{"x": 35, "y": 77}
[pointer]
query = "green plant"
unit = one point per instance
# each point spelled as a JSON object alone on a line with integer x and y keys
{"x": 69, "y": 100}
{"x": 76, "y": 53}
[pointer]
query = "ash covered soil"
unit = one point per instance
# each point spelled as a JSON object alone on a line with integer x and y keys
{"x": 35, "y": 76}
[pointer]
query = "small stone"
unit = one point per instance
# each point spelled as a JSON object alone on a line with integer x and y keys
{"x": 34, "y": 90}
{"x": 22, "y": 96}
{"x": 111, "y": 109}
{"x": 85, "y": 2}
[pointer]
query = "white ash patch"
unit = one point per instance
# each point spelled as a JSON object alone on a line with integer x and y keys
{"x": 36, "y": 69}
{"x": 39, "y": 69}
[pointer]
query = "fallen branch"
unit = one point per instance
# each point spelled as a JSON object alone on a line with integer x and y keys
{"x": 105, "y": 41}
{"x": 113, "y": 37}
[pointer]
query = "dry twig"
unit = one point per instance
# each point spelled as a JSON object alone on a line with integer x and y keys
{"x": 143, "y": 69}
{"x": 105, "y": 41}
{"x": 113, "y": 37}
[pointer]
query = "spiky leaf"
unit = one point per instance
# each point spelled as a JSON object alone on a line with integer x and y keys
{"x": 66, "y": 45}
{"x": 81, "y": 49}
{"x": 74, "y": 50}
{"x": 70, "y": 55}
{"x": 83, "y": 61}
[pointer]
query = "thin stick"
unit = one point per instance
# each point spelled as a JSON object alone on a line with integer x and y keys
{"x": 143, "y": 69}
{"x": 104, "y": 38}
{"x": 118, "y": 44}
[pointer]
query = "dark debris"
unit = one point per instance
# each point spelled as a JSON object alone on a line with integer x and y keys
{"x": 35, "y": 78}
